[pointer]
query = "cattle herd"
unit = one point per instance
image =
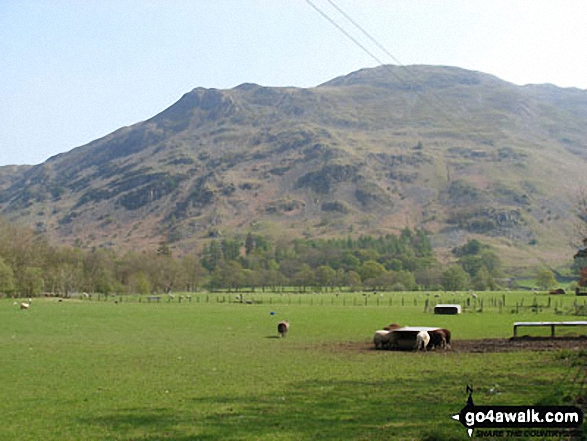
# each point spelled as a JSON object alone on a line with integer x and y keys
{"x": 396, "y": 337}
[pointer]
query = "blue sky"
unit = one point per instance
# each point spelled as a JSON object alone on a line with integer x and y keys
{"x": 73, "y": 71}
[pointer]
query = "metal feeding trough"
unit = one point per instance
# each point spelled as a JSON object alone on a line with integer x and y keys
{"x": 406, "y": 336}
{"x": 447, "y": 309}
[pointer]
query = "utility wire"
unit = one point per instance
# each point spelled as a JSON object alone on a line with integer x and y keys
{"x": 439, "y": 105}
{"x": 353, "y": 39}
{"x": 341, "y": 29}
{"x": 369, "y": 36}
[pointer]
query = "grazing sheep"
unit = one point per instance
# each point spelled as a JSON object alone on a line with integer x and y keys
{"x": 422, "y": 340}
{"x": 378, "y": 338}
{"x": 437, "y": 339}
{"x": 447, "y": 337}
{"x": 25, "y": 305}
{"x": 390, "y": 340}
{"x": 283, "y": 328}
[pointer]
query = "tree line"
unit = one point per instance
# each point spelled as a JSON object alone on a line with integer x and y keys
{"x": 30, "y": 265}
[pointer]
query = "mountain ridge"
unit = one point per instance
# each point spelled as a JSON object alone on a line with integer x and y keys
{"x": 459, "y": 153}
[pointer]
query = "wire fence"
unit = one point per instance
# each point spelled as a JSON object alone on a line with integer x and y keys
{"x": 514, "y": 302}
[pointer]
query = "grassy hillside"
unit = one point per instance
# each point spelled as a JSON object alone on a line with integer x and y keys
{"x": 459, "y": 153}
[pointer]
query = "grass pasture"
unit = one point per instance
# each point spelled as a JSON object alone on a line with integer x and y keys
{"x": 215, "y": 370}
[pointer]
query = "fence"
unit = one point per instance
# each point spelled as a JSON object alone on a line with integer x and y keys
{"x": 510, "y": 302}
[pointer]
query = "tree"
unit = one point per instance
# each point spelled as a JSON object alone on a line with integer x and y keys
{"x": 429, "y": 277}
{"x": 581, "y": 213}
{"x": 580, "y": 259}
{"x": 166, "y": 273}
{"x": 483, "y": 280}
{"x": 229, "y": 275}
{"x": 98, "y": 271}
{"x": 230, "y": 249}
{"x": 455, "y": 279}
{"x": 163, "y": 249}
{"x": 545, "y": 279}
{"x": 6, "y": 277}
{"x": 249, "y": 244}
{"x": 304, "y": 277}
{"x": 471, "y": 248}
{"x": 353, "y": 280}
{"x": 194, "y": 272}
{"x": 583, "y": 277}
{"x": 404, "y": 281}
{"x": 325, "y": 276}
{"x": 140, "y": 284}
{"x": 30, "y": 281}
{"x": 471, "y": 264}
{"x": 212, "y": 256}
{"x": 371, "y": 270}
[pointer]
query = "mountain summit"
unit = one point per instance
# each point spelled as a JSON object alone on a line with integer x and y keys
{"x": 456, "y": 152}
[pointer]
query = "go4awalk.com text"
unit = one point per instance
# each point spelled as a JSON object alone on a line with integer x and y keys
{"x": 520, "y": 421}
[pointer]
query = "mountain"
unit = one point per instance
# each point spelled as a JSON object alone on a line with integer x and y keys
{"x": 459, "y": 153}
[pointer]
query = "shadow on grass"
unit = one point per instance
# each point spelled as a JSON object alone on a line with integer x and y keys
{"x": 306, "y": 410}
{"x": 145, "y": 424}
{"x": 335, "y": 409}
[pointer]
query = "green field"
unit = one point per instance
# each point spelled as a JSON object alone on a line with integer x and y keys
{"x": 213, "y": 369}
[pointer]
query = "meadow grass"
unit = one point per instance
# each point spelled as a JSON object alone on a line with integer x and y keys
{"x": 207, "y": 370}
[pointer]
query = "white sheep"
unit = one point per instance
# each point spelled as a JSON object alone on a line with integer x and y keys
{"x": 378, "y": 338}
{"x": 25, "y": 305}
{"x": 422, "y": 340}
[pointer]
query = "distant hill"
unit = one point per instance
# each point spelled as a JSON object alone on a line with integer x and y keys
{"x": 459, "y": 153}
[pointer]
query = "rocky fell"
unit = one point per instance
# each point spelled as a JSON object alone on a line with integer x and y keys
{"x": 456, "y": 152}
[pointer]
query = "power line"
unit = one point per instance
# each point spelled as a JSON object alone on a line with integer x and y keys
{"x": 359, "y": 27}
{"x": 439, "y": 101}
{"x": 341, "y": 29}
{"x": 354, "y": 40}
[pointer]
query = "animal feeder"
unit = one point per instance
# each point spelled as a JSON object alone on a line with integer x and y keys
{"x": 447, "y": 309}
{"x": 406, "y": 336}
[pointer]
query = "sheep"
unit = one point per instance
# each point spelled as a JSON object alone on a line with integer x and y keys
{"x": 422, "y": 340}
{"x": 447, "y": 337}
{"x": 378, "y": 338}
{"x": 25, "y": 305}
{"x": 390, "y": 340}
{"x": 283, "y": 328}
{"x": 437, "y": 339}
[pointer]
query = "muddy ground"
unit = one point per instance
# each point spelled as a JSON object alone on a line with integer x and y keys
{"x": 488, "y": 345}
{"x": 519, "y": 344}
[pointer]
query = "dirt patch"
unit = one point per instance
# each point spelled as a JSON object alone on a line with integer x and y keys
{"x": 486, "y": 345}
{"x": 519, "y": 344}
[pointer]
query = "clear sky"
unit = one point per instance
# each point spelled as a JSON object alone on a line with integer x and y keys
{"x": 72, "y": 71}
